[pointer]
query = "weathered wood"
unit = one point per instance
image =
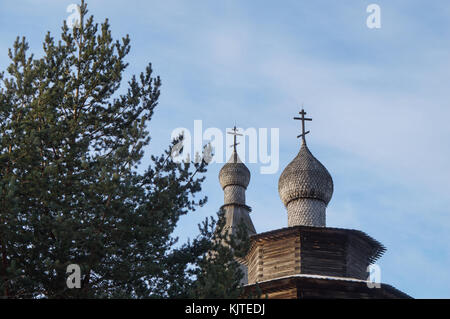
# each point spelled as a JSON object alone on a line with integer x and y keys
{"x": 310, "y": 288}
{"x": 310, "y": 250}
{"x": 283, "y": 294}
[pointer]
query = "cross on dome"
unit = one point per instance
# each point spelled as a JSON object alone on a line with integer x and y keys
{"x": 235, "y": 143}
{"x": 235, "y": 133}
{"x": 303, "y": 119}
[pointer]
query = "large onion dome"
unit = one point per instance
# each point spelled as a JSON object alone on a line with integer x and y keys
{"x": 305, "y": 188}
{"x": 305, "y": 177}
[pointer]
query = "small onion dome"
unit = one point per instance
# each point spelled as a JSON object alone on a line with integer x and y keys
{"x": 305, "y": 177}
{"x": 234, "y": 172}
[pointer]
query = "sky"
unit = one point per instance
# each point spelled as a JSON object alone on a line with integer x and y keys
{"x": 379, "y": 100}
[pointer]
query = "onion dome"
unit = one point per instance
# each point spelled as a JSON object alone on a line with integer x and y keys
{"x": 234, "y": 172}
{"x": 305, "y": 186}
{"x": 305, "y": 177}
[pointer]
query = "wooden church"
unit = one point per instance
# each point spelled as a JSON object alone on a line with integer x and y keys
{"x": 306, "y": 259}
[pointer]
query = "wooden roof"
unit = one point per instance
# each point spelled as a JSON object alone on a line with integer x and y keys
{"x": 312, "y": 286}
{"x": 377, "y": 248}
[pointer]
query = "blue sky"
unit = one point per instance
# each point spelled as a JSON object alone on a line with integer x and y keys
{"x": 379, "y": 100}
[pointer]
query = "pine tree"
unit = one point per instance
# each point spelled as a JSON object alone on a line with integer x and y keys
{"x": 70, "y": 191}
{"x": 219, "y": 270}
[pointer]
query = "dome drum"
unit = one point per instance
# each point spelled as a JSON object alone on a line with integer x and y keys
{"x": 306, "y": 212}
{"x": 234, "y": 194}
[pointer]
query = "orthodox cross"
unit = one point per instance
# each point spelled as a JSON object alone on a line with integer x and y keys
{"x": 303, "y": 119}
{"x": 235, "y": 134}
